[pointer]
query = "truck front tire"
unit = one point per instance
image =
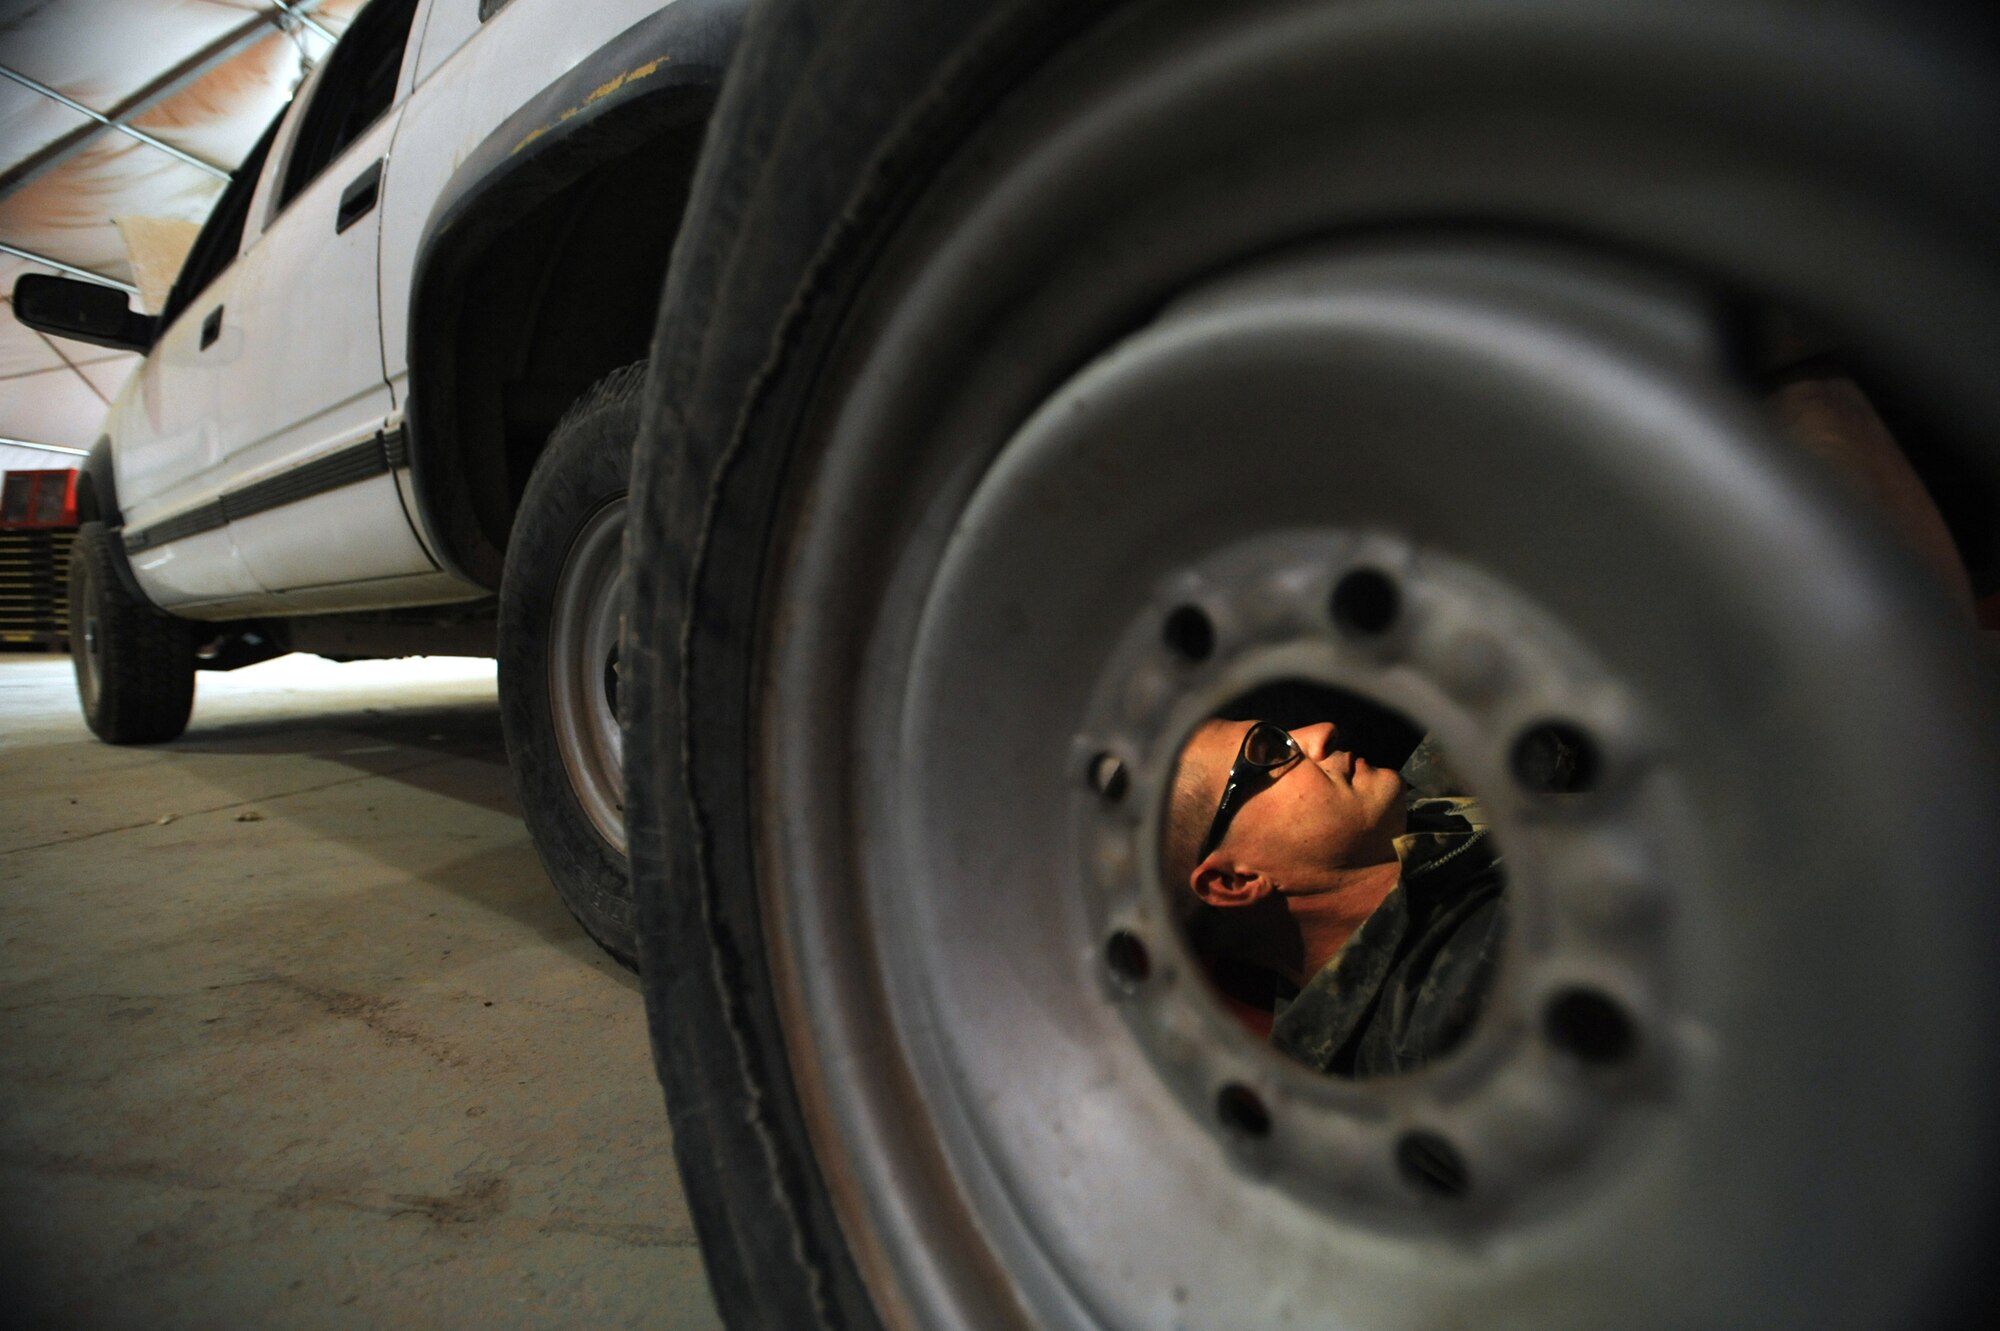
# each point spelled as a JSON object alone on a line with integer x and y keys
{"x": 1082, "y": 320}
{"x": 134, "y": 664}
{"x": 560, "y": 616}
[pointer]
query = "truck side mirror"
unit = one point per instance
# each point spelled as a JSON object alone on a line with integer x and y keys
{"x": 82, "y": 311}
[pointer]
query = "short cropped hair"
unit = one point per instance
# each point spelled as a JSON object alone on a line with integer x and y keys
{"x": 1190, "y": 809}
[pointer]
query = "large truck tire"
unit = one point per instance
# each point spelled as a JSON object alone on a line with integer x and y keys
{"x": 561, "y": 612}
{"x": 134, "y": 664}
{"x": 1032, "y": 376}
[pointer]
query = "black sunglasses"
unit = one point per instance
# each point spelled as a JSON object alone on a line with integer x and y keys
{"x": 1266, "y": 748}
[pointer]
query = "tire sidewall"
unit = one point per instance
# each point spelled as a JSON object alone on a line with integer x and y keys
{"x": 771, "y": 1238}
{"x": 583, "y": 468}
{"x": 142, "y": 688}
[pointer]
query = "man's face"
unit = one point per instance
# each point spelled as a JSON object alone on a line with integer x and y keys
{"x": 1325, "y": 813}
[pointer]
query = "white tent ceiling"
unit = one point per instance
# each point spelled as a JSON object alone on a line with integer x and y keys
{"x": 200, "y": 79}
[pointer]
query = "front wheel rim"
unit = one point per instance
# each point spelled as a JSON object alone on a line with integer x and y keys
{"x": 958, "y": 756}
{"x": 583, "y": 669}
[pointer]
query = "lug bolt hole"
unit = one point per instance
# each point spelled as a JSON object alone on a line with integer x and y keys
{"x": 1190, "y": 633}
{"x": 1107, "y": 776}
{"x": 1127, "y": 959}
{"x": 1242, "y": 1111}
{"x": 1365, "y": 602}
{"x": 1589, "y": 1026}
{"x": 1432, "y": 1165}
{"x": 1556, "y": 758}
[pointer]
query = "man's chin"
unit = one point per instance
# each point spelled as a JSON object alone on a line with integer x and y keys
{"x": 1381, "y": 782}
{"x": 1390, "y": 796}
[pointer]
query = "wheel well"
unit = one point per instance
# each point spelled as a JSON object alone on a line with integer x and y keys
{"x": 528, "y": 313}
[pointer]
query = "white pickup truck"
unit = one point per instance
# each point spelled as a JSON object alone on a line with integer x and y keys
{"x": 1034, "y": 379}
{"x": 390, "y": 384}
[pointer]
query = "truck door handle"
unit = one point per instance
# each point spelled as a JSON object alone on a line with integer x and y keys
{"x": 211, "y": 327}
{"x": 358, "y": 199}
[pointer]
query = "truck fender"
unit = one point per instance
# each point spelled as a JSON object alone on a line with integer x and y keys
{"x": 661, "y": 73}
{"x": 97, "y": 500}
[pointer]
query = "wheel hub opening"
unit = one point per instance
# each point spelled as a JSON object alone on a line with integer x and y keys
{"x": 1337, "y": 882}
{"x": 1372, "y": 877}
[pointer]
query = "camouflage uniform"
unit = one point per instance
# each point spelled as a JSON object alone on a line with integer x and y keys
{"x": 1409, "y": 983}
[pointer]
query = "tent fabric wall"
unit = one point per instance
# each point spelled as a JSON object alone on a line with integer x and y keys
{"x": 111, "y": 55}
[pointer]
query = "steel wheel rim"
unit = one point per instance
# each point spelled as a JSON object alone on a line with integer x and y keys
{"x": 88, "y": 653}
{"x": 1551, "y": 1149}
{"x": 833, "y": 976}
{"x": 92, "y": 656}
{"x": 584, "y": 630}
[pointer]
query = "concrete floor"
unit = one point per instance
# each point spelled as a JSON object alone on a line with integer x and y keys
{"x": 294, "y": 1032}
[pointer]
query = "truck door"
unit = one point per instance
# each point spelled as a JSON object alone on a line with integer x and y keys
{"x": 305, "y": 405}
{"x": 169, "y": 462}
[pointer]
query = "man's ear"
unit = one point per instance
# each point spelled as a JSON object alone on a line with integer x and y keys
{"x": 1222, "y": 882}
